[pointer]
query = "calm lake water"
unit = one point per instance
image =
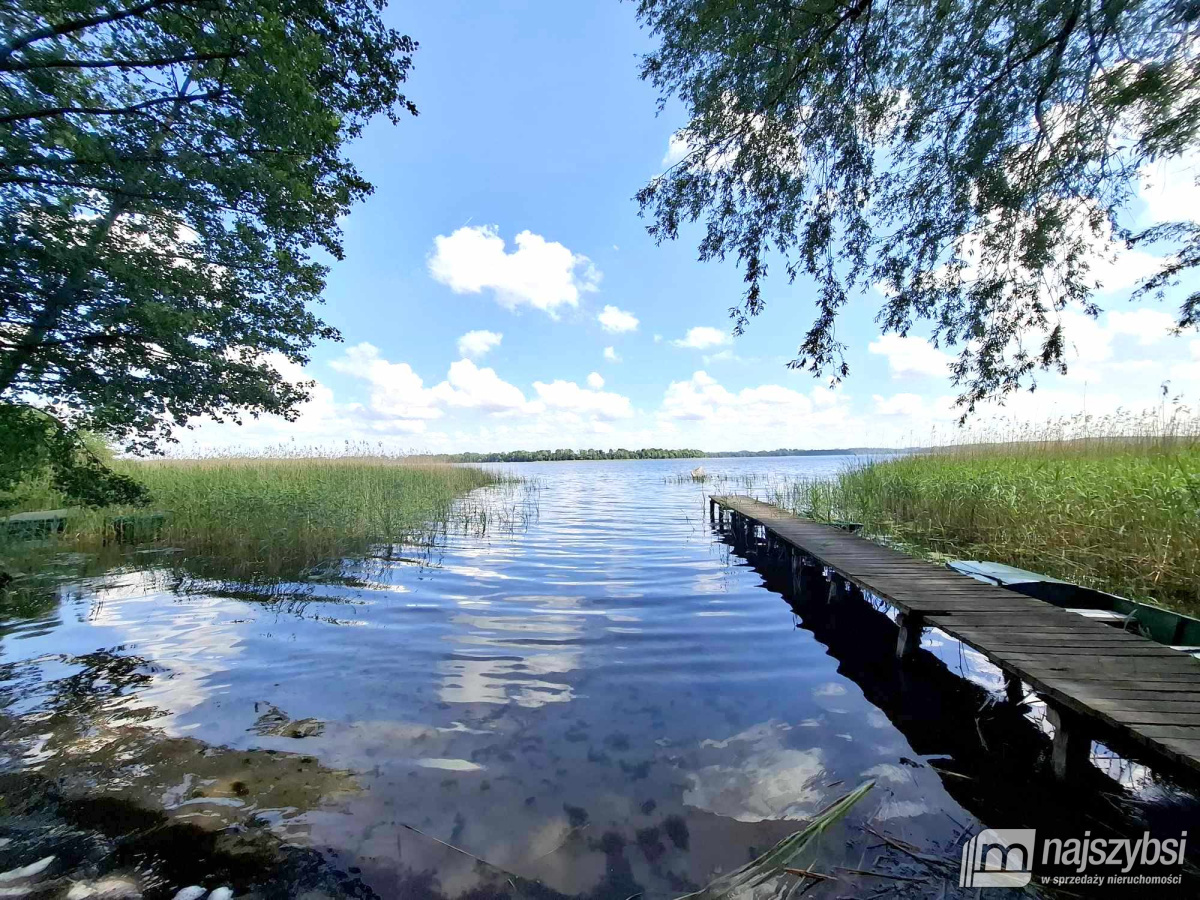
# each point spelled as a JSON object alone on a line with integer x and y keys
{"x": 598, "y": 697}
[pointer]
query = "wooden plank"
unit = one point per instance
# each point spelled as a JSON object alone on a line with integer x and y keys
{"x": 1184, "y": 732}
{"x": 1116, "y": 651}
{"x": 1164, "y": 691}
{"x": 1147, "y": 692}
{"x": 985, "y": 633}
{"x": 1163, "y": 710}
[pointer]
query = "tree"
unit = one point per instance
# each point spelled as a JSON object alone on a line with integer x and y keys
{"x": 972, "y": 159}
{"x": 171, "y": 176}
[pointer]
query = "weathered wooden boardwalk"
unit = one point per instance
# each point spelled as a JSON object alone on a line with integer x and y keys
{"x": 1093, "y": 677}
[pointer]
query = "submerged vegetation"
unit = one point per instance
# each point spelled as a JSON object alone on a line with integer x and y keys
{"x": 258, "y": 518}
{"x": 1112, "y": 504}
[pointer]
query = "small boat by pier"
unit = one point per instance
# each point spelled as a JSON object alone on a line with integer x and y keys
{"x": 1164, "y": 626}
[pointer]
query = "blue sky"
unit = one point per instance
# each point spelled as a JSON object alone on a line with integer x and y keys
{"x": 499, "y": 290}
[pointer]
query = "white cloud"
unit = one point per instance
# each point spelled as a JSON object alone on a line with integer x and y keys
{"x": 610, "y": 353}
{"x": 617, "y": 320}
{"x": 398, "y": 395}
{"x": 907, "y": 405}
{"x": 1149, "y": 326}
{"x": 397, "y": 392}
{"x": 677, "y": 148}
{"x": 541, "y": 273}
{"x": 766, "y": 407}
{"x": 725, "y": 355}
{"x": 1090, "y": 342}
{"x": 702, "y": 337}
{"x": 1170, "y": 191}
{"x": 475, "y": 344}
{"x": 469, "y": 387}
{"x": 716, "y": 158}
{"x": 910, "y": 356}
{"x": 1187, "y": 374}
{"x": 567, "y": 395}
{"x": 595, "y": 380}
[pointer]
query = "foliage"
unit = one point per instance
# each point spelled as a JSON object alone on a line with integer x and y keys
{"x": 38, "y": 448}
{"x": 260, "y": 520}
{"x": 970, "y": 159}
{"x": 1114, "y": 513}
{"x": 171, "y": 171}
{"x": 768, "y": 869}
{"x": 270, "y": 518}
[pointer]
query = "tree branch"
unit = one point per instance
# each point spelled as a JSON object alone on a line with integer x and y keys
{"x": 153, "y": 63}
{"x": 73, "y": 25}
{"x": 57, "y": 111}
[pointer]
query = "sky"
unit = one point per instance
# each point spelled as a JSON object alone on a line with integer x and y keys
{"x": 499, "y": 290}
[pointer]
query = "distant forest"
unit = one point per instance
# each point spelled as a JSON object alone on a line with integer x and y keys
{"x": 513, "y": 456}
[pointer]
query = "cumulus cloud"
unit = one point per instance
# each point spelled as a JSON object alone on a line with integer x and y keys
{"x": 543, "y": 274}
{"x": 475, "y": 344}
{"x": 1170, "y": 189}
{"x": 766, "y": 407}
{"x": 1090, "y": 349}
{"x": 469, "y": 387}
{"x": 702, "y": 337}
{"x": 610, "y": 353}
{"x": 396, "y": 391}
{"x": 677, "y": 148}
{"x": 570, "y": 397}
{"x": 595, "y": 380}
{"x": 1188, "y": 373}
{"x": 907, "y": 405}
{"x": 617, "y": 320}
{"x": 397, "y": 395}
{"x": 910, "y": 356}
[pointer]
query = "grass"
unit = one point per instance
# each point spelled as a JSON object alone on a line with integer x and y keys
{"x": 1117, "y": 510}
{"x": 265, "y": 518}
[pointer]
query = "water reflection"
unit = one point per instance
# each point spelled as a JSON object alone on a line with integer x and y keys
{"x": 607, "y": 703}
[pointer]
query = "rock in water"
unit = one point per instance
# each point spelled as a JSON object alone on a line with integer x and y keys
{"x": 194, "y": 892}
{"x": 221, "y": 893}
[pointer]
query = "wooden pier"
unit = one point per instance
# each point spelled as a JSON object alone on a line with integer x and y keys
{"x": 1094, "y": 678}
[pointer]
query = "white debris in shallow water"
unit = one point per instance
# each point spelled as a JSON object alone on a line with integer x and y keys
{"x": 110, "y": 888}
{"x": 194, "y": 892}
{"x": 221, "y": 893}
{"x": 34, "y": 868}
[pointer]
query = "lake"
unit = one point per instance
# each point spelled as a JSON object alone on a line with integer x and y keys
{"x": 596, "y": 696}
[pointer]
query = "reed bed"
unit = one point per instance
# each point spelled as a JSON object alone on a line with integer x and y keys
{"x": 278, "y": 517}
{"x": 262, "y": 518}
{"x": 1098, "y": 503}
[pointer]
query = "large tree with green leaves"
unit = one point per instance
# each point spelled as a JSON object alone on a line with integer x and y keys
{"x": 172, "y": 173}
{"x": 972, "y": 159}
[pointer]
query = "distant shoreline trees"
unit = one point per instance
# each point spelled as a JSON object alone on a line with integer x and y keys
{"x": 565, "y": 455}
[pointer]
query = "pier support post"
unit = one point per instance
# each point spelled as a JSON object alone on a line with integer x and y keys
{"x": 838, "y": 589}
{"x": 1071, "y": 744}
{"x": 807, "y": 581}
{"x": 908, "y": 640}
{"x": 1013, "y": 689}
{"x": 712, "y": 510}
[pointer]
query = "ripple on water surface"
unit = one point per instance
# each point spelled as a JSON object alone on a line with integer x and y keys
{"x": 607, "y": 701}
